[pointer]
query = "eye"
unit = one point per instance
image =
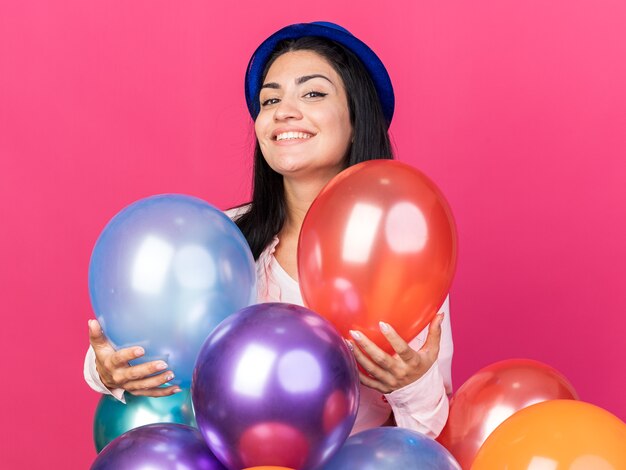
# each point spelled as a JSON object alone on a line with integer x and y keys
{"x": 315, "y": 94}
{"x": 269, "y": 101}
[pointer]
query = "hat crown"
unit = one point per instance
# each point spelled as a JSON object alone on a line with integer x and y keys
{"x": 328, "y": 24}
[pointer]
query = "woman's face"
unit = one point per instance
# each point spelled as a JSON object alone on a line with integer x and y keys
{"x": 303, "y": 127}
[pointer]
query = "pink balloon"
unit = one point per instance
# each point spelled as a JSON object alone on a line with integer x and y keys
{"x": 492, "y": 395}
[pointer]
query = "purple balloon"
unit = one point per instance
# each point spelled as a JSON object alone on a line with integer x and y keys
{"x": 390, "y": 448}
{"x": 275, "y": 384}
{"x": 162, "y": 446}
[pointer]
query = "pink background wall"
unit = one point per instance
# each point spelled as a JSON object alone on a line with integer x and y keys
{"x": 516, "y": 109}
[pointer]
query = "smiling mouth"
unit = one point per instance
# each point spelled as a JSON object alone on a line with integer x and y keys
{"x": 292, "y": 136}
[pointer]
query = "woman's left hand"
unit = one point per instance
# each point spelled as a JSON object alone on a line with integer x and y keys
{"x": 387, "y": 373}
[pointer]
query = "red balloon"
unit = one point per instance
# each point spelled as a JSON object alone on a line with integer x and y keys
{"x": 378, "y": 244}
{"x": 492, "y": 395}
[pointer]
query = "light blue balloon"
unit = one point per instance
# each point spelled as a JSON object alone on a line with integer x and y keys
{"x": 113, "y": 418}
{"x": 164, "y": 272}
{"x": 391, "y": 448}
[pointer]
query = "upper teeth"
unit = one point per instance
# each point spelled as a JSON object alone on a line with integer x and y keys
{"x": 293, "y": 135}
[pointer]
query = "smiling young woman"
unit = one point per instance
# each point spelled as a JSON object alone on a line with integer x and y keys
{"x": 303, "y": 127}
{"x": 322, "y": 101}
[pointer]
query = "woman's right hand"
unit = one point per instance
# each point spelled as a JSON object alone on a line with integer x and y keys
{"x": 116, "y": 372}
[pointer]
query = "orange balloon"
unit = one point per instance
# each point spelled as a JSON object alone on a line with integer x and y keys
{"x": 556, "y": 435}
{"x": 378, "y": 244}
{"x": 493, "y": 394}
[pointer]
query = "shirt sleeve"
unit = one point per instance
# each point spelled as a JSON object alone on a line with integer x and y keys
{"x": 93, "y": 378}
{"x": 423, "y": 405}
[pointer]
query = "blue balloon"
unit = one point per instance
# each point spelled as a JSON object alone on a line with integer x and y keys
{"x": 158, "y": 447}
{"x": 391, "y": 448}
{"x": 113, "y": 418}
{"x": 164, "y": 272}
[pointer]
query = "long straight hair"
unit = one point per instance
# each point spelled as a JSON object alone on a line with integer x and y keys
{"x": 266, "y": 214}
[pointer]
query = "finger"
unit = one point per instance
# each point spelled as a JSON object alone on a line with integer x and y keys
{"x": 373, "y": 383}
{"x": 371, "y": 367}
{"x": 376, "y": 354}
{"x": 143, "y": 371}
{"x": 434, "y": 335}
{"x": 157, "y": 392}
{"x": 401, "y": 347}
{"x": 122, "y": 357}
{"x": 97, "y": 338}
{"x": 149, "y": 382}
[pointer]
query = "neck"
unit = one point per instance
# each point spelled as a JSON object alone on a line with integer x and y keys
{"x": 299, "y": 195}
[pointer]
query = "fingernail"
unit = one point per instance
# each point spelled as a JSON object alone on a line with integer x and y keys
{"x": 384, "y": 327}
{"x": 90, "y": 323}
{"x": 355, "y": 334}
{"x": 178, "y": 390}
{"x": 349, "y": 344}
{"x": 161, "y": 365}
{"x": 169, "y": 377}
{"x": 139, "y": 352}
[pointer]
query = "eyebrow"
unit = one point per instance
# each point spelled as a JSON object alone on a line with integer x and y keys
{"x": 299, "y": 81}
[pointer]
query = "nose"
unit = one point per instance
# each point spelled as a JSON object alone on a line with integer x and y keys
{"x": 287, "y": 109}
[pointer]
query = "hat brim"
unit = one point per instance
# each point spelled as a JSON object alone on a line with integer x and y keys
{"x": 370, "y": 60}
